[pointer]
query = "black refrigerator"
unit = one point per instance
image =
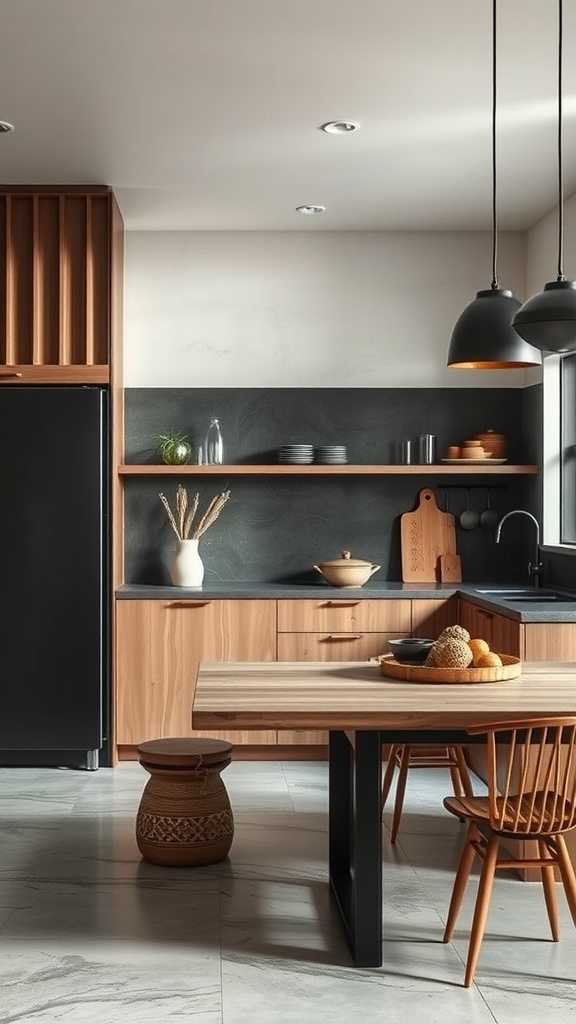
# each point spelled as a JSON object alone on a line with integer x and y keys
{"x": 53, "y": 575}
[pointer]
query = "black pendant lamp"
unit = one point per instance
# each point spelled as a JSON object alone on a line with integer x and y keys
{"x": 548, "y": 320}
{"x": 483, "y": 338}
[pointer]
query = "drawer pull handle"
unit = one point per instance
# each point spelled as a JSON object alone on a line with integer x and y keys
{"x": 344, "y": 636}
{"x": 188, "y": 604}
{"x": 340, "y": 604}
{"x": 9, "y": 373}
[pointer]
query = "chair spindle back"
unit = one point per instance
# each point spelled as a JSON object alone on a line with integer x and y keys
{"x": 534, "y": 792}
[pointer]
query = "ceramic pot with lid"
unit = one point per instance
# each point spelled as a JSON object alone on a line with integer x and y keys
{"x": 347, "y": 571}
{"x": 494, "y": 444}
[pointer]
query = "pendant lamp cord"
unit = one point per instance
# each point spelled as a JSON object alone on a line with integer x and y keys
{"x": 560, "y": 169}
{"x": 495, "y": 283}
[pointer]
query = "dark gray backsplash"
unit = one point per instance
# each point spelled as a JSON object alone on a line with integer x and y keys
{"x": 276, "y": 528}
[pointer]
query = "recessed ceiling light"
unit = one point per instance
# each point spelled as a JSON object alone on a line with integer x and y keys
{"x": 309, "y": 211}
{"x": 5, "y": 126}
{"x": 339, "y": 127}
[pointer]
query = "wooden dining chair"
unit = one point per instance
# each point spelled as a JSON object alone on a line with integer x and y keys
{"x": 405, "y": 757}
{"x": 536, "y": 800}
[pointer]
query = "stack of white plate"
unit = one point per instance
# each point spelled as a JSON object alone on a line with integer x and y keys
{"x": 296, "y": 454}
{"x": 331, "y": 454}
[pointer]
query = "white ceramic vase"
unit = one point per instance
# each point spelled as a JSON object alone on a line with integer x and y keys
{"x": 187, "y": 567}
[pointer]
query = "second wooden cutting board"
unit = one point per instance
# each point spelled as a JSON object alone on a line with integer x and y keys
{"x": 426, "y": 534}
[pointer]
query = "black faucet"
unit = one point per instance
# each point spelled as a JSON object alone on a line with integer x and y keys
{"x": 535, "y": 567}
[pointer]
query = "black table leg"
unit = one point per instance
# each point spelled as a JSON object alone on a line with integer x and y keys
{"x": 356, "y": 841}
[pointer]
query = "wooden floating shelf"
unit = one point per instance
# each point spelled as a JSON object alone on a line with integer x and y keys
{"x": 320, "y": 470}
{"x": 52, "y": 374}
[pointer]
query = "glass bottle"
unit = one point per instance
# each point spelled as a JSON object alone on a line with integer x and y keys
{"x": 214, "y": 445}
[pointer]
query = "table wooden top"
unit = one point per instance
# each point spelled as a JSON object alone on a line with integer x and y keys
{"x": 354, "y": 695}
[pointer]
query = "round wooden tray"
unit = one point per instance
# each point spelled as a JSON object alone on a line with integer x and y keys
{"x": 511, "y": 669}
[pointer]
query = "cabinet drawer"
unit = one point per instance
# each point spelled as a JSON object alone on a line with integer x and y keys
{"x": 332, "y": 646}
{"x": 342, "y": 615}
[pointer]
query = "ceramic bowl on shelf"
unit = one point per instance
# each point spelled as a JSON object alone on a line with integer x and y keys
{"x": 347, "y": 571}
{"x": 410, "y": 650}
{"x": 473, "y": 452}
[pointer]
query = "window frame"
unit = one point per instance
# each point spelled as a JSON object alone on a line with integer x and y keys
{"x": 556, "y": 385}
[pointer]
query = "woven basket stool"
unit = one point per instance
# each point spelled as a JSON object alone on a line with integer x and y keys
{"x": 184, "y": 818}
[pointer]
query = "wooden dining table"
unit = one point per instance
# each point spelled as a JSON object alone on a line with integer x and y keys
{"x": 362, "y": 709}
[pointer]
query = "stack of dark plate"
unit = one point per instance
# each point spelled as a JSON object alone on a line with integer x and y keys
{"x": 331, "y": 454}
{"x": 296, "y": 454}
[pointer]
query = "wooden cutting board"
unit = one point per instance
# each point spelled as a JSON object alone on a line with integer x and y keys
{"x": 426, "y": 534}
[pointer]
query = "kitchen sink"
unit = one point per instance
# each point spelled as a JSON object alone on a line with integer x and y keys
{"x": 541, "y": 599}
{"x": 513, "y": 593}
{"x": 524, "y": 595}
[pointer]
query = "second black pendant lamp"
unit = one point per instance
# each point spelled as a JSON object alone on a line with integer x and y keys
{"x": 484, "y": 338}
{"x": 548, "y": 320}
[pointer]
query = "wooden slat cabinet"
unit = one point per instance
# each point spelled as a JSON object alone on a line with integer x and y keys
{"x": 159, "y": 646}
{"x": 56, "y": 273}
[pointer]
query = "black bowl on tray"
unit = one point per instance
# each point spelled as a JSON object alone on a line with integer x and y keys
{"x": 411, "y": 650}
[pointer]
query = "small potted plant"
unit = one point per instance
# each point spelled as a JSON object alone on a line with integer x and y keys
{"x": 174, "y": 448}
{"x": 188, "y": 568}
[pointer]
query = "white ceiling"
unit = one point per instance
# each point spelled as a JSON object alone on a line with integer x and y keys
{"x": 203, "y": 113}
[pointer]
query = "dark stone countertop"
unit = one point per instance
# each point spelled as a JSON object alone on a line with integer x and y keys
{"x": 534, "y": 611}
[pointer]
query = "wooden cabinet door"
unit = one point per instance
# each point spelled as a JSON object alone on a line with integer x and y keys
{"x": 477, "y": 621}
{"x": 504, "y": 635}
{"x": 430, "y": 617}
{"x": 159, "y": 646}
{"x": 550, "y": 641}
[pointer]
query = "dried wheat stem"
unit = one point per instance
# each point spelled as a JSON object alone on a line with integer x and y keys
{"x": 172, "y": 521}
{"x": 199, "y": 529}
{"x": 190, "y": 516}
{"x": 182, "y": 507}
{"x": 212, "y": 513}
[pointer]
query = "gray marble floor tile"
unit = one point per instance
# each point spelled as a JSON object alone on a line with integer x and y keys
{"x": 424, "y": 989}
{"x": 150, "y": 912}
{"x": 274, "y": 852}
{"x": 103, "y": 985}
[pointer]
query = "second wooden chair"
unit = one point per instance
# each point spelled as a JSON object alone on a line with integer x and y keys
{"x": 405, "y": 757}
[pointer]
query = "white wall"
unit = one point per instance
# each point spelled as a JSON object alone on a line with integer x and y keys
{"x": 305, "y": 309}
{"x": 542, "y": 245}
